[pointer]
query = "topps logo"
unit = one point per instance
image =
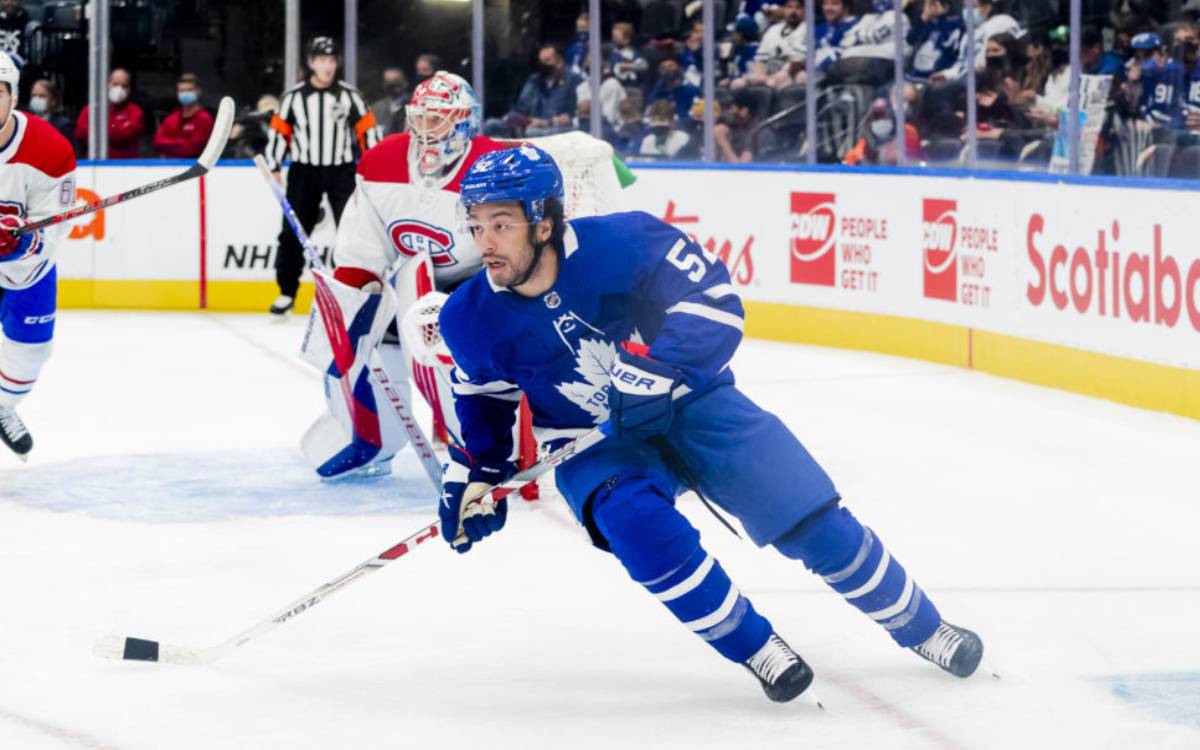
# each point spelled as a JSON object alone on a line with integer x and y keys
{"x": 939, "y": 231}
{"x": 814, "y": 219}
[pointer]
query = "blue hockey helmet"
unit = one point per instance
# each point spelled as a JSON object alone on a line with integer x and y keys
{"x": 1146, "y": 40}
{"x": 525, "y": 174}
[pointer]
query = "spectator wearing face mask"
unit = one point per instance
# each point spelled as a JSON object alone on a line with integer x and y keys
{"x": 779, "y": 59}
{"x": 547, "y": 101}
{"x": 1185, "y": 49}
{"x": 735, "y": 134}
{"x": 389, "y": 108}
{"x": 44, "y": 102}
{"x": 577, "y": 52}
{"x": 625, "y": 63}
{"x": 878, "y": 146}
{"x": 184, "y": 132}
{"x": 125, "y": 120}
{"x": 671, "y": 87}
{"x": 663, "y": 140}
{"x": 627, "y": 136}
{"x": 427, "y": 64}
{"x": 989, "y": 21}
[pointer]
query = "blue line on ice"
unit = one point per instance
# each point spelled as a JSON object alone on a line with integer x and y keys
{"x": 213, "y": 486}
{"x": 1173, "y": 696}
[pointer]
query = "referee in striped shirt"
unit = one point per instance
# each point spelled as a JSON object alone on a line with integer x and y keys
{"x": 319, "y": 122}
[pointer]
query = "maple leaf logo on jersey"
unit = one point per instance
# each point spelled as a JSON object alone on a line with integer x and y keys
{"x": 593, "y": 360}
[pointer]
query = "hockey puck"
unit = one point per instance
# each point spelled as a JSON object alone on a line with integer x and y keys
{"x": 137, "y": 649}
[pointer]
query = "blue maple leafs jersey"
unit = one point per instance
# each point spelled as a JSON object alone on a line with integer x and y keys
{"x": 626, "y": 276}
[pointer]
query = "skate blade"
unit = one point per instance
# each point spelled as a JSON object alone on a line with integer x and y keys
{"x": 988, "y": 668}
{"x": 810, "y": 699}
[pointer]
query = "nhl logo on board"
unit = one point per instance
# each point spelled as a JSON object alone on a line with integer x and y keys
{"x": 552, "y": 300}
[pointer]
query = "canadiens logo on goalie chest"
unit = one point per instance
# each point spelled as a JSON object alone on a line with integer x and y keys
{"x": 410, "y": 237}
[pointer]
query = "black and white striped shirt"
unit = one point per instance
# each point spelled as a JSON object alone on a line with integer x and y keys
{"x": 320, "y": 126}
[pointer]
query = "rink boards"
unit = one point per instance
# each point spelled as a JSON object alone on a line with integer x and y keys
{"x": 1090, "y": 287}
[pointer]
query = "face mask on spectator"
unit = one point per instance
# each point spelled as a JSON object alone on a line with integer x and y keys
{"x": 660, "y": 130}
{"x": 187, "y": 97}
{"x": 420, "y": 78}
{"x": 547, "y": 69}
{"x": 1060, "y": 57}
{"x": 883, "y": 128}
{"x": 672, "y": 76}
{"x": 38, "y": 104}
{"x": 997, "y": 62}
{"x": 117, "y": 94}
{"x": 974, "y": 11}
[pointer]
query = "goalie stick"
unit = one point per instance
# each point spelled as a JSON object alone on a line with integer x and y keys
{"x": 140, "y": 649}
{"x": 397, "y": 397}
{"x": 212, "y": 151}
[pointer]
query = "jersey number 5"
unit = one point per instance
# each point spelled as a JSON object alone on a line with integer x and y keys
{"x": 692, "y": 265}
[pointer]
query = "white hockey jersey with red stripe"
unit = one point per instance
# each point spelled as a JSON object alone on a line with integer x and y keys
{"x": 37, "y": 180}
{"x": 396, "y": 213}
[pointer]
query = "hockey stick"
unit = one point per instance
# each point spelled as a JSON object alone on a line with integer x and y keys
{"x": 398, "y": 398}
{"x": 212, "y": 151}
{"x": 139, "y": 649}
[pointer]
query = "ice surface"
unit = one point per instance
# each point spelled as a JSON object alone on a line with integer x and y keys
{"x": 166, "y": 498}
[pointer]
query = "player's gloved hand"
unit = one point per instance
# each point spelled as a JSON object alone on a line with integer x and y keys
{"x": 12, "y": 247}
{"x": 467, "y": 517}
{"x": 639, "y": 396}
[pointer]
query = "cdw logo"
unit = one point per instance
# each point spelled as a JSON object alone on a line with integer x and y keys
{"x": 814, "y": 220}
{"x": 939, "y": 232}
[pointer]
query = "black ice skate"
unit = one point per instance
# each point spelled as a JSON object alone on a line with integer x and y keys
{"x": 282, "y": 305}
{"x": 14, "y": 433}
{"x": 782, "y": 672}
{"x": 954, "y": 649}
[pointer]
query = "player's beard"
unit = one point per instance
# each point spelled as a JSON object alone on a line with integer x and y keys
{"x": 515, "y": 271}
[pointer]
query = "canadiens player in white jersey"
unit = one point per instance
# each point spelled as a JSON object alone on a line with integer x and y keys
{"x": 37, "y": 180}
{"x": 401, "y": 229}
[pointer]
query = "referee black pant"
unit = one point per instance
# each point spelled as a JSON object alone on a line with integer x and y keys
{"x": 305, "y": 186}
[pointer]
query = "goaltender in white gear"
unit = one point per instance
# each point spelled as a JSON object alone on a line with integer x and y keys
{"x": 400, "y": 241}
{"x": 402, "y": 235}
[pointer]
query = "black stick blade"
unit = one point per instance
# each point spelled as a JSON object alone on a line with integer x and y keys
{"x": 137, "y": 649}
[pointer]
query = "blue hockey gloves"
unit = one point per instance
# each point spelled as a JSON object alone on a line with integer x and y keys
{"x": 15, "y": 248}
{"x": 639, "y": 395}
{"x": 466, "y": 517}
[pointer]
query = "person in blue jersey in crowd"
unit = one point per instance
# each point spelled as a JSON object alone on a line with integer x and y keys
{"x": 622, "y": 319}
{"x": 829, "y": 32}
{"x": 1156, "y": 82}
{"x": 934, "y": 39}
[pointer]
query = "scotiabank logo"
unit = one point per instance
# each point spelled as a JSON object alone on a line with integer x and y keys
{"x": 939, "y": 232}
{"x": 1146, "y": 287}
{"x": 410, "y": 237}
{"x": 814, "y": 222}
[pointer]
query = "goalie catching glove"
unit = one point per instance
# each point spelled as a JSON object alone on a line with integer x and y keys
{"x": 467, "y": 512}
{"x": 639, "y": 396}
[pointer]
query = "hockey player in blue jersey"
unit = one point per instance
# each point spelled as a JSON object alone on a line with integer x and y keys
{"x": 623, "y": 318}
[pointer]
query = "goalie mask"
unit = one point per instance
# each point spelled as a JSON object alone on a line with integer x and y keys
{"x": 443, "y": 116}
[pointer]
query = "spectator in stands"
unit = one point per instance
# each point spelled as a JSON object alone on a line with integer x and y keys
{"x": 995, "y": 113}
{"x": 45, "y": 103}
{"x": 663, "y": 140}
{"x": 935, "y": 39}
{"x": 735, "y": 133}
{"x": 612, "y": 93}
{"x": 878, "y": 146}
{"x": 868, "y": 49}
{"x": 671, "y": 87}
{"x": 630, "y": 130}
{"x": 185, "y": 131}
{"x": 625, "y": 63}
{"x": 577, "y": 52}
{"x": 737, "y": 55}
{"x": 779, "y": 61}
{"x": 427, "y": 64}
{"x": 1185, "y": 49}
{"x": 547, "y": 101}
{"x": 832, "y": 30}
{"x": 1191, "y": 11}
{"x": 14, "y": 26}
{"x": 1038, "y": 95}
{"x": 250, "y": 131}
{"x": 1094, "y": 60}
{"x": 692, "y": 57}
{"x": 988, "y": 22}
{"x": 1154, "y": 83}
{"x": 764, "y": 13}
{"x": 125, "y": 120}
{"x": 389, "y": 108}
